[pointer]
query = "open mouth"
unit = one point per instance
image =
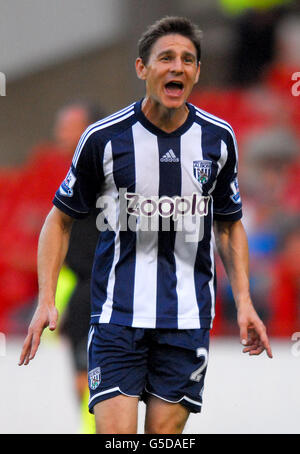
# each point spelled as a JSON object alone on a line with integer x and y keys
{"x": 174, "y": 88}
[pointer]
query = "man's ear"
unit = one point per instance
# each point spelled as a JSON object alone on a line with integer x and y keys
{"x": 141, "y": 69}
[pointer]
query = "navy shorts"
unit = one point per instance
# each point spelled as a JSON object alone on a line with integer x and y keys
{"x": 138, "y": 362}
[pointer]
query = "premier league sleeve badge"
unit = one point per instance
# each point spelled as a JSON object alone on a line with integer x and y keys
{"x": 236, "y": 198}
{"x": 66, "y": 188}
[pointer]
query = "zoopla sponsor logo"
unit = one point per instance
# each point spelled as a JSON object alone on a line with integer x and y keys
{"x": 131, "y": 211}
{"x": 167, "y": 207}
{"x": 296, "y": 85}
{"x": 2, "y": 84}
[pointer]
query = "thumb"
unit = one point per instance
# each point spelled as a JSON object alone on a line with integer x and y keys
{"x": 53, "y": 316}
{"x": 243, "y": 334}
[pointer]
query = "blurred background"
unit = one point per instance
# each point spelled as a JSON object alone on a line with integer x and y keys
{"x": 69, "y": 63}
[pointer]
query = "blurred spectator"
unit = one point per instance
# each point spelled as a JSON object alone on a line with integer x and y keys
{"x": 71, "y": 121}
{"x": 266, "y": 120}
{"x": 267, "y": 154}
{"x": 255, "y": 44}
{"x": 236, "y": 7}
{"x": 25, "y": 202}
{"x": 269, "y": 157}
{"x": 278, "y": 78}
{"x": 22, "y": 217}
{"x": 284, "y": 296}
{"x": 75, "y": 320}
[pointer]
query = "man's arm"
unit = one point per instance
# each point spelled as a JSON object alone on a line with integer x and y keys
{"x": 52, "y": 250}
{"x": 232, "y": 245}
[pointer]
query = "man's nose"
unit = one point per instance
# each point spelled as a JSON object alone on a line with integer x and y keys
{"x": 177, "y": 65}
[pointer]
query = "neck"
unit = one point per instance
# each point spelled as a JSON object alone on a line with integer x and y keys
{"x": 167, "y": 120}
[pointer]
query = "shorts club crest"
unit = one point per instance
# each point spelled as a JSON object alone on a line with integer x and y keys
{"x": 94, "y": 377}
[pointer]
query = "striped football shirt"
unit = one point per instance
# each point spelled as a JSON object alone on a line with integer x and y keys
{"x": 158, "y": 195}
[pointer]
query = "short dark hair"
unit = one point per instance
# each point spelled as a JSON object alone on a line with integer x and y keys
{"x": 166, "y": 26}
{"x": 93, "y": 111}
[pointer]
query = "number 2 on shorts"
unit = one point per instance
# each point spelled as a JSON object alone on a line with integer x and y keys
{"x": 197, "y": 374}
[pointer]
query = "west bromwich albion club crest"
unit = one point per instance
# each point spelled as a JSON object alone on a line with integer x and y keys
{"x": 94, "y": 378}
{"x": 202, "y": 170}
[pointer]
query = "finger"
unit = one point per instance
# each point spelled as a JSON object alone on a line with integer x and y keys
{"x": 26, "y": 361}
{"x": 265, "y": 342}
{"x": 53, "y": 322}
{"x": 248, "y": 349}
{"x": 253, "y": 346}
{"x": 258, "y": 351}
{"x": 35, "y": 344}
{"x": 25, "y": 349}
{"x": 261, "y": 331}
{"x": 267, "y": 346}
{"x": 22, "y": 356}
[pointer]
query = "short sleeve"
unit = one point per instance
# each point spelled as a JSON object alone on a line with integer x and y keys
{"x": 77, "y": 194}
{"x": 226, "y": 195}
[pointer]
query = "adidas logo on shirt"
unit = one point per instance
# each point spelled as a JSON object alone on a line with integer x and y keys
{"x": 169, "y": 157}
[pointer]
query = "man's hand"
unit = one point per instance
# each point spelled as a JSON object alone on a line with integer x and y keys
{"x": 52, "y": 250}
{"x": 232, "y": 245}
{"x": 253, "y": 333}
{"x": 44, "y": 316}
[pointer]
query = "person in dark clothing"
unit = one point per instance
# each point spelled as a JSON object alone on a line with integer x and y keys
{"x": 76, "y": 319}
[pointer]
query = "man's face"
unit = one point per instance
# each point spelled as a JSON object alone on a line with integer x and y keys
{"x": 171, "y": 71}
{"x": 69, "y": 126}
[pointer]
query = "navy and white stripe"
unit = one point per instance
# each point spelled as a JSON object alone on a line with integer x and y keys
{"x": 146, "y": 260}
{"x": 217, "y": 121}
{"x": 156, "y": 278}
{"x": 109, "y": 121}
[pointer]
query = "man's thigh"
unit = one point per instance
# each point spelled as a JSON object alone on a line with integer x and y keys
{"x": 177, "y": 362}
{"x": 117, "y": 357}
{"x": 117, "y": 415}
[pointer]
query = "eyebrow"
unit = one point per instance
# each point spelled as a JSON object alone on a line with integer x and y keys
{"x": 170, "y": 51}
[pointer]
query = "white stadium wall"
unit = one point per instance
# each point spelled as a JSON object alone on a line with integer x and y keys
{"x": 37, "y": 33}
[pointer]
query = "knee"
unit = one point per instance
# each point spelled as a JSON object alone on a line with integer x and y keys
{"x": 116, "y": 415}
{"x": 164, "y": 417}
{"x": 160, "y": 426}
